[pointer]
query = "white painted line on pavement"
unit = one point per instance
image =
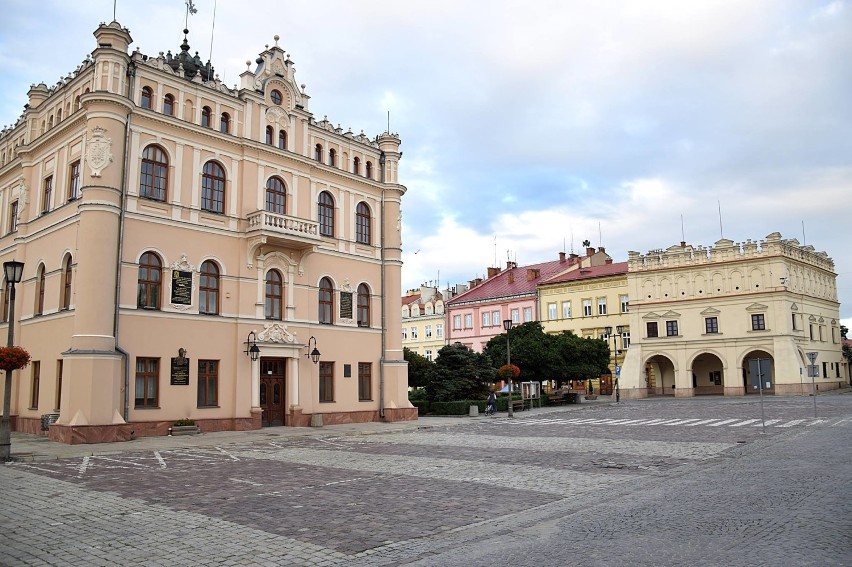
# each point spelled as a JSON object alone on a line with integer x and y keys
{"x": 814, "y": 422}
{"x": 160, "y": 459}
{"x": 746, "y": 422}
{"x": 702, "y": 422}
{"x": 245, "y": 481}
{"x": 723, "y": 422}
{"x": 81, "y": 470}
{"x": 223, "y": 451}
{"x": 682, "y": 421}
{"x": 768, "y": 422}
{"x": 792, "y": 423}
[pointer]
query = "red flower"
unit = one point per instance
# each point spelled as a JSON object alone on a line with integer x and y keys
{"x": 509, "y": 369}
{"x": 13, "y": 358}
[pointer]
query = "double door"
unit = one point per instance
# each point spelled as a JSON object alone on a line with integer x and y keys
{"x": 272, "y": 399}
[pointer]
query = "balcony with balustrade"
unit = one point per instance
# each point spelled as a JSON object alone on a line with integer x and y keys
{"x": 283, "y": 230}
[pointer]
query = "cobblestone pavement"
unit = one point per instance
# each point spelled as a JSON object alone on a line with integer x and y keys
{"x": 650, "y": 482}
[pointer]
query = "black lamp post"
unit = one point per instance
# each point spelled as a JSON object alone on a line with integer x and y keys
{"x": 13, "y": 271}
{"x": 608, "y": 331}
{"x": 507, "y": 324}
{"x": 314, "y": 354}
{"x": 252, "y": 349}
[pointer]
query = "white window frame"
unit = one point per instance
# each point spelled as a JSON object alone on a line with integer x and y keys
{"x": 527, "y": 314}
{"x": 602, "y": 306}
{"x": 486, "y": 318}
{"x": 413, "y": 333}
{"x": 551, "y": 311}
{"x": 439, "y": 330}
{"x": 457, "y": 322}
{"x": 427, "y": 331}
{"x": 625, "y": 303}
{"x": 516, "y": 317}
{"x": 587, "y": 308}
{"x": 566, "y": 309}
{"x": 468, "y": 321}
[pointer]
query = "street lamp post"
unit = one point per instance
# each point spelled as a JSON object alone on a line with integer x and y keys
{"x": 507, "y": 324}
{"x": 608, "y": 331}
{"x": 13, "y": 271}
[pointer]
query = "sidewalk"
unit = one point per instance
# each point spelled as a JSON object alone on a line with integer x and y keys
{"x": 27, "y": 447}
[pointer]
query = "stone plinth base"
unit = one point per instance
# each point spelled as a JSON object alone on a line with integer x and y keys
{"x": 684, "y": 392}
{"x": 83, "y": 434}
{"x": 734, "y": 391}
{"x": 401, "y": 414}
{"x": 30, "y": 425}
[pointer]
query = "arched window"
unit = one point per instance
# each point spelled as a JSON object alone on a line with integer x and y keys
{"x": 282, "y": 140}
{"x": 225, "y": 123}
{"x": 325, "y": 214}
{"x": 40, "y": 280}
{"x": 318, "y": 152}
{"x": 77, "y": 102}
{"x": 326, "y": 302}
{"x": 269, "y": 133}
{"x": 169, "y": 105}
{"x": 50, "y": 122}
{"x": 363, "y": 223}
{"x": 356, "y": 166}
{"x": 154, "y": 177}
{"x": 208, "y": 289}
{"x": 275, "y": 196}
{"x": 273, "y": 295}
{"x": 275, "y": 96}
{"x": 67, "y": 273}
{"x": 368, "y": 170}
{"x": 146, "y": 97}
{"x": 213, "y": 188}
{"x": 205, "y": 116}
{"x": 59, "y": 116}
{"x": 149, "y": 281}
{"x": 332, "y": 158}
{"x": 363, "y": 306}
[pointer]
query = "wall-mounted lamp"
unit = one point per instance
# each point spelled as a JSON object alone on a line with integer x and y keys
{"x": 251, "y": 346}
{"x": 313, "y": 354}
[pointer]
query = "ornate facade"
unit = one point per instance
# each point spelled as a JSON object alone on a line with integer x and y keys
{"x": 170, "y": 226}
{"x": 423, "y": 322}
{"x": 703, "y": 317}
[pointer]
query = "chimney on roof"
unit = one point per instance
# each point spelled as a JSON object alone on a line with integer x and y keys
{"x": 477, "y": 281}
{"x": 683, "y": 244}
{"x": 601, "y": 249}
{"x": 608, "y": 261}
{"x": 511, "y": 276}
{"x": 532, "y": 273}
{"x": 590, "y": 251}
{"x": 493, "y": 272}
{"x": 510, "y": 264}
{"x": 562, "y": 257}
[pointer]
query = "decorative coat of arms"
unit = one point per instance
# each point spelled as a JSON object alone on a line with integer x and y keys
{"x": 98, "y": 151}
{"x": 275, "y": 333}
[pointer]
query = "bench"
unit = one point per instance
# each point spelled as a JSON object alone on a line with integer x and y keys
{"x": 556, "y": 399}
{"x": 518, "y": 405}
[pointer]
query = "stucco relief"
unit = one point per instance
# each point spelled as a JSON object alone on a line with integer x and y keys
{"x": 183, "y": 264}
{"x": 276, "y": 115}
{"x": 275, "y": 333}
{"x": 22, "y": 194}
{"x": 98, "y": 151}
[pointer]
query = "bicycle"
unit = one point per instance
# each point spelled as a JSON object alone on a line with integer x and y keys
{"x": 490, "y": 409}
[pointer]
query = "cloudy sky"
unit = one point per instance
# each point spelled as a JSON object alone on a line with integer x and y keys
{"x": 531, "y": 126}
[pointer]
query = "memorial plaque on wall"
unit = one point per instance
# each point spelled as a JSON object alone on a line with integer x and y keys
{"x": 180, "y": 371}
{"x": 345, "y": 305}
{"x": 181, "y": 287}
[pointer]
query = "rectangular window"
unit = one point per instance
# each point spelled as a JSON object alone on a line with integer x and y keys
{"x": 47, "y": 194}
{"x": 36, "y": 383}
{"x": 456, "y": 322}
{"x": 825, "y": 370}
{"x": 625, "y": 340}
{"x": 208, "y": 383}
{"x": 822, "y": 333}
{"x": 515, "y": 317}
{"x": 74, "y": 181}
{"x": 13, "y": 216}
{"x": 528, "y": 314}
{"x": 439, "y": 330}
{"x": 413, "y": 333}
{"x": 812, "y": 332}
{"x": 468, "y": 321}
{"x": 566, "y": 309}
{"x": 758, "y": 323}
{"x": 486, "y": 319}
{"x": 671, "y": 328}
{"x": 495, "y": 319}
{"x": 428, "y": 331}
{"x": 326, "y": 381}
{"x": 551, "y": 311}
{"x": 404, "y": 333}
{"x": 602, "y": 306}
{"x": 587, "y": 308}
{"x": 711, "y": 325}
{"x": 147, "y": 382}
{"x": 365, "y": 381}
{"x": 652, "y": 329}
{"x": 834, "y": 335}
{"x": 795, "y": 323}
{"x": 58, "y": 386}
{"x": 625, "y": 303}
{"x": 429, "y": 355}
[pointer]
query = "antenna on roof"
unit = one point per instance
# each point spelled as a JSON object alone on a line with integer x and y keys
{"x": 721, "y": 234}
{"x": 495, "y": 251}
{"x": 804, "y": 238}
{"x": 212, "y": 28}
{"x": 114, "y": 2}
{"x": 388, "y": 121}
{"x": 600, "y": 236}
{"x": 682, "y": 235}
{"x": 571, "y": 227}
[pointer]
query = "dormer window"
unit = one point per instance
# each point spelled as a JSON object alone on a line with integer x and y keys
{"x": 275, "y": 96}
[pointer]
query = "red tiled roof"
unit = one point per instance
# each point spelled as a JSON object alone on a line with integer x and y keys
{"x": 498, "y": 285}
{"x": 615, "y": 269}
{"x": 409, "y": 299}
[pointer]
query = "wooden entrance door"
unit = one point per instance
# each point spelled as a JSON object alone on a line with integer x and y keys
{"x": 272, "y": 377}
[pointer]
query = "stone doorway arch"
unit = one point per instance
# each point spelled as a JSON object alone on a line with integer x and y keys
{"x": 708, "y": 375}
{"x": 660, "y": 375}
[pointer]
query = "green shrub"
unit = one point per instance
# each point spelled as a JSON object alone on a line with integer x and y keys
{"x": 184, "y": 421}
{"x": 421, "y": 405}
{"x": 457, "y": 407}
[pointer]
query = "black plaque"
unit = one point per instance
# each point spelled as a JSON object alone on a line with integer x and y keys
{"x": 345, "y": 305}
{"x": 181, "y": 287}
{"x": 180, "y": 371}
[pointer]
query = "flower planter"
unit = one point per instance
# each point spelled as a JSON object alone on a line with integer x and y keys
{"x": 591, "y": 396}
{"x": 184, "y": 430}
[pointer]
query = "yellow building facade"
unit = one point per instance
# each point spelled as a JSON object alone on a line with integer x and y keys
{"x": 423, "y": 321}
{"x": 733, "y": 319}
{"x": 172, "y": 227}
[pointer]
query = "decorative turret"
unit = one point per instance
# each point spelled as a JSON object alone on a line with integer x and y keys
{"x": 191, "y": 66}
{"x": 38, "y": 94}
